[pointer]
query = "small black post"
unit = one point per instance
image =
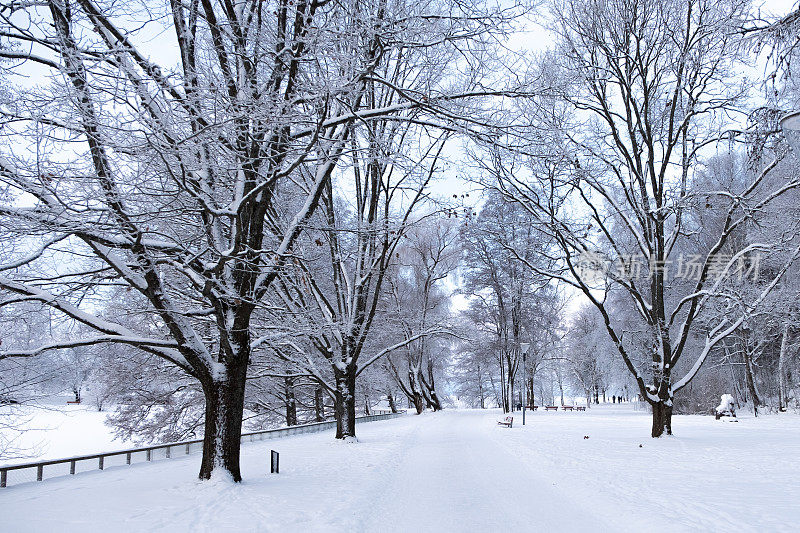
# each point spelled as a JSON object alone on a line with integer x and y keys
{"x": 274, "y": 463}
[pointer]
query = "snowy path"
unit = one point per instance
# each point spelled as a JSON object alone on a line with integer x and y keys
{"x": 455, "y": 476}
{"x": 454, "y": 471}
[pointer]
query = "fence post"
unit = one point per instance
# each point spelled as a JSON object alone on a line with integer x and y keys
{"x": 187, "y": 449}
{"x": 128, "y": 458}
{"x": 3, "y": 477}
{"x": 168, "y": 452}
{"x": 148, "y": 455}
{"x": 72, "y": 467}
{"x": 39, "y": 469}
{"x": 100, "y": 462}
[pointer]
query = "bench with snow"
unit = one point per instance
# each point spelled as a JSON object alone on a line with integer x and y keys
{"x": 567, "y": 407}
{"x": 726, "y": 407}
{"x": 580, "y": 408}
{"x": 551, "y": 407}
{"x": 507, "y": 421}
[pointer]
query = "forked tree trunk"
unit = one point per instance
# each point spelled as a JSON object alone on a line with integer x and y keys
{"x": 223, "y": 425}
{"x": 416, "y": 397}
{"x": 345, "y": 405}
{"x": 435, "y": 402}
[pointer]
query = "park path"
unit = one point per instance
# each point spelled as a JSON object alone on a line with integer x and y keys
{"x": 456, "y": 473}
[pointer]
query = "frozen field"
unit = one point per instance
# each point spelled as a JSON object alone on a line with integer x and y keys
{"x": 455, "y": 471}
{"x": 56, "y": 429}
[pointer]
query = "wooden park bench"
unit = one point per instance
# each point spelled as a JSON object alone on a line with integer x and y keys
{"x": 507, "y": 421}
{"x": 579, "y": 408}
{"x": 551, "y": 407}
{"x": 567, "y": 407}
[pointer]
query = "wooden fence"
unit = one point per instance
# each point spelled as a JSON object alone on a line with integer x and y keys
{"x": 23, "y": 473}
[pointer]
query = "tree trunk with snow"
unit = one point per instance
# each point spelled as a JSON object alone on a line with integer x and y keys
{"x": 416, "y": 396}
{"x": 751, "y": 383}
{"x": 782, "y": 399}
{"x": 290, "y": 401}
{"x": 319, "y": 405}
{"x": 430, "y": 384}
{"x": 224, "y": 399}
{"x": 345, "y": 405}
{"x": 662, "y": 419}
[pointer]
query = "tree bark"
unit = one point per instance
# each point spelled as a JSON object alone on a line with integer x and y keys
{"x": 782, "y": 400}
{"x": 223, "y": 424}
{"x": 392, "y": 405}
{"x": 436, "y": 405}
{"x": 291, "y": 402}
{"x": 345, "y": 404}
{"x": 751, "y": 384}
{"x": 662, "y": 419}
{"x": 415, "y": 397}
{"x": 319, "y": 405}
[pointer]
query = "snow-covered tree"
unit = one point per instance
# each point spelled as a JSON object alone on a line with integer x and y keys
{"x": 638, "y": 95}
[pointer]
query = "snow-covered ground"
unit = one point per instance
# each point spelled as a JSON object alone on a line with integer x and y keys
{"x": 455, "y": 471}
{"x": 56, "y": 429}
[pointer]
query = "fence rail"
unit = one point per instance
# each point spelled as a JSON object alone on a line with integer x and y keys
{"x": 23, "y": 473}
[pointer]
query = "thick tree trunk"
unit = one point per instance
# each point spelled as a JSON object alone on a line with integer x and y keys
{"x": 345, "y": 405}
{"x": 392, "y": 405}
{"x": 319, "y": 405}
{"x": 416, "y": 397}
{"x": 223, "y": 424}
{"x": 662, "y": 419}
